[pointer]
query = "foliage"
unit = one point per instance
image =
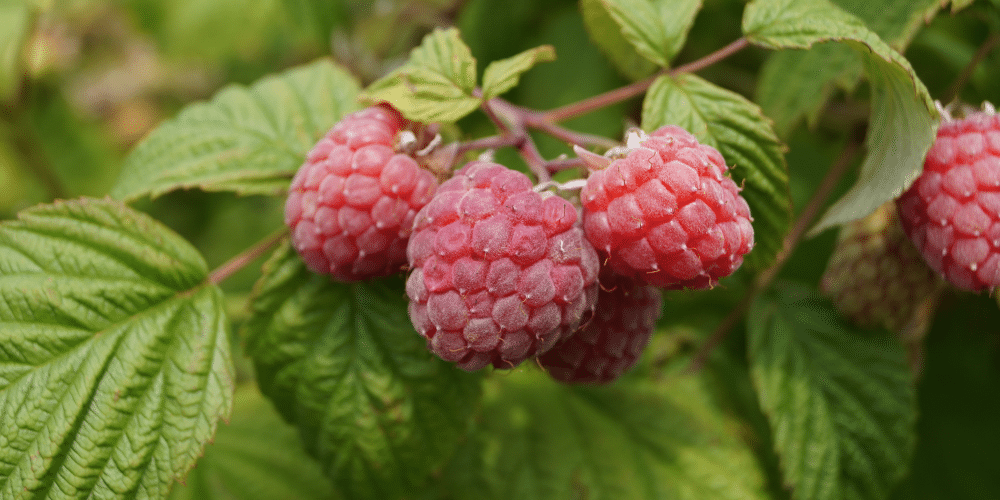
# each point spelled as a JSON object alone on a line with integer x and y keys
{"x": 148, "y": 349}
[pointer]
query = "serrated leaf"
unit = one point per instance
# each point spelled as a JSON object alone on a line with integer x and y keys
{"x": 255, "y": 456}
{"x": 543, "y": 440}
{"x": 115, "y": 363}
{"x": 343, "y": 363}
{"x": 736, "y": 127}
{"x": 503, "y": 75}
{"x": 797, "y": 84}
{"x": 841, "y": 404}
{"x": 15, "y": 23}
{"x": 607, "y": 35}
{"x": 903, "y": 118}
{"x": 435, "y": 85}
{"x": 656, "y": 28}
{"x": 245, "y": 140}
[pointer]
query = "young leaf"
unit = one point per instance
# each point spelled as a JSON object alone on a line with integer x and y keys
{"x": 435, "y": 85}
{"x": 15, "y": 23}
{"x": 735, "y": 126}
{"x": 607, "y": 35}
{"x": 794, "y": 84}
{"x": 503, "y": 75}
{"x": 115, "y": 366}
{"x": 903, "y": 119}
{"x": 246, "y": 140}
{"x": 256, "y": 456}
{"x": 543, "y": 440}
{"x": 343, "y": 363}
{"x": 656, "y": 28}
{"x": 841, "y": 405}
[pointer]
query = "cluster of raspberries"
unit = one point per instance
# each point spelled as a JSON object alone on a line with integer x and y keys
{"x": 500, "y": 270}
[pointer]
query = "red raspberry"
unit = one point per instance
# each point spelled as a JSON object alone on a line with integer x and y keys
{"x": 500, "y": 272}
{"x": 952, "y": 211}
{"x": 612, "y": 341}
{"x": 667, "y": 214}
{"x": 352, "y": 203}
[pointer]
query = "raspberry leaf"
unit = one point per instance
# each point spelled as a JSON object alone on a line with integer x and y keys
{"x": 656, "y": 28}
{"x": 543, "y": 440}
{"x": 245, "y": 140}
{"x": 115, "y": 366}
{"x": 15, "y": 24}
{"x": 437, "y": 84}
{"x": 342, "y": 363}
{"x": 503, "y": 75}
{"x": 797, "y": 84}
{"x": 607, "y": 35}
{"x": 256, "y": 456}
{"x": 841, "y": 405}
{"x": 903, "y": 118}
{"x": 736, "y": 127}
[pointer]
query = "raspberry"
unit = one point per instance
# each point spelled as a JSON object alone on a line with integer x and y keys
{"x": 666, "y": 213}
{"x": 352, "y": 203}
{"x": 952, "y": 211}
{"x": 612, "y": 341}
{"x": 500, "y": 272}
{"x": 875, "y": 276}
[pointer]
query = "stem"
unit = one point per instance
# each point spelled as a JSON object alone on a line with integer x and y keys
{"x": 492, "y": 142}
{"x": 620, "y": 94}
{"x": 792, "y": 239}
{"x": 249, "y": 255}
{"x": 963, "y": 78}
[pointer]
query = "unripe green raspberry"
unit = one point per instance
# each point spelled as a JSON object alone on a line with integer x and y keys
{"x": 875, "y": 276}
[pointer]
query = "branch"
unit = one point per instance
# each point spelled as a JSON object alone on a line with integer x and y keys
{"x": 249, "y": 255}
{"x": 620, "y": 94}
{"x": 963, "y": 78}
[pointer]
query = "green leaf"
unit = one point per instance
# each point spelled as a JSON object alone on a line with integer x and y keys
{"x": 656, "y": 28}
{"x": 343, "y": 363}
{"x": 543, "y": 440}
{"x": 797, "y": 84}
{"x": 607, "y": 35}
{"x": 15, "y": 24}
{"x": 903, "y": 119}
{"x": 841, "y": 404}
{"x": 503, "y": 75}
{"x": 736, "y": 127}
{"x": 794, "y": 84}
{"x": 435, "y": 85}
{"x": 115, "y": 365}
{"x": 257, "y": 456}
{"x": 246, "y": 140}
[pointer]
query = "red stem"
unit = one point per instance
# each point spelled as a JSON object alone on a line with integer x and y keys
{"x": 251, "y": 254}
{"x": 620, "y": 94}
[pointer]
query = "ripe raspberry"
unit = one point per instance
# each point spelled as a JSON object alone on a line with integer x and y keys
{"x": 500, "y": 272}
{"x": 666, "y": 214}
{"x": 352, "y": 203}
{"x": 875, "y": 276}
{"x": 952, "y": 211}
{"x": 612, "y": 341}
